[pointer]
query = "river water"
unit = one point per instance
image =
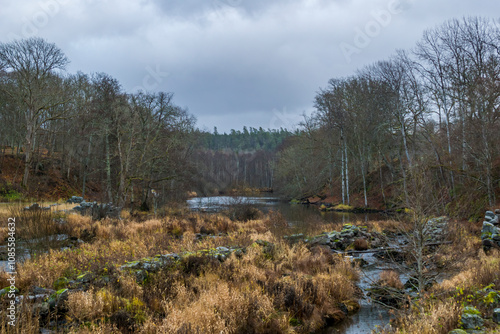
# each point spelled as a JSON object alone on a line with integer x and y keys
{"x": 370, "y": 316}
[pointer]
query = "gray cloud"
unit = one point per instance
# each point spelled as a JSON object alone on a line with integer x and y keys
{"x": 231, "y": 62}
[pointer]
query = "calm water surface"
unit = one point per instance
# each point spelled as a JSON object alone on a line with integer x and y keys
{"x": 370, "y": 316}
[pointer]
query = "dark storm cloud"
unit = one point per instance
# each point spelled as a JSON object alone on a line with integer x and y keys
{"x": 231, "y": 62}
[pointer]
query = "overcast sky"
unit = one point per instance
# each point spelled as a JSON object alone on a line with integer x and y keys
{"x": 232, "y": 63}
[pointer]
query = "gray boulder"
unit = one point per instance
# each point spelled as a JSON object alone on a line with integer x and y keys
{"x": 489, "y": 215}
{"x": 471, "y": 318}
{"x": 320, "y": 240}
{"x": 75, "y": 200}
{"x": 97, "y": 210}
{"x": 489, "y": 228}
{"x": 58, "y": 298}
{"x": 488, "y": 244}
{"x": 496, "y": 315}
{"x": 494, "y": 221}
{"x": 458, "y": 331}
{"x": 294, "y": 238}
{"x": 35, "y": 207}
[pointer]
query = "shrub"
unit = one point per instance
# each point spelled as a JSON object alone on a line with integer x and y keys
{"x": 243, "y": 212}
{"x": 8, "y": 193}
{"x": 37, "y": 228}
{"x": 391, "y": 279}
{"x": 85, "y": 306}
{"x": 343, "y": 207}
{"x": 360, "y": 244}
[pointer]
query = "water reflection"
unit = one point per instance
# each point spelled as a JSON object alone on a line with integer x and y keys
{"x": 297, "y": 215}
{"x": 304, "y": 219}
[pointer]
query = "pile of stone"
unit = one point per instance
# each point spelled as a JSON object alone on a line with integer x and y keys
{"x": 142, "y": 268}
{"x": 435, "y": 229}
{"x": 346, "y": 237}
{"x": 98, "y": 210}
{"x": 85, "y": 208}
{"x": 36, "y": 207}
{"x": 490, "y": 234}
{"x": 75, "y": 200}
{"x": 472, "y": 320}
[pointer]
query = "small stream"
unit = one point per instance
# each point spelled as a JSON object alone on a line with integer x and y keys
{"x": 370, "y": 316}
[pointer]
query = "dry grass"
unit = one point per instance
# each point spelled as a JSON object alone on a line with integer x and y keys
{"x": 5, "y": 210}
{"x": 360, "y": 244}
{"x": 278, "y": 288}
{"x": 85, "y": 305}
{"x": 475, "y": 273}
{"x": 387, "y": 226}
{"x": 438, "y": 311}
{"x": 26, "y": 320}
{"x": 434, "y": 318}
{"x": 220, "y": 308}
{"x": 391, "y": 279}
{"x": 233, "y": 296}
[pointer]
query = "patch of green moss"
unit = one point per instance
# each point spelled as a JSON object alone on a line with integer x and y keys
{"x": 471, "y": 310}
{"x": 7, "y": 290}
{"x": 343, "y": 207}
{"x": 458, "y": 331}
{"x": 61, "y": 283}
{"x": 10, "y": 195}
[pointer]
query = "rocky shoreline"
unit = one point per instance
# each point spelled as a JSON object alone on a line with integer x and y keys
{"x": 490, "y": 233}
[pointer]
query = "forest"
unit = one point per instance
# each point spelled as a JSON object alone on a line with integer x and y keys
{"x": 111, "y": 144}
{"x": 399, "y": 159}
{"x": 432, "y": 109}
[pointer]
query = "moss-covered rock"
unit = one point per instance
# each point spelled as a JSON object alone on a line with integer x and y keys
{"x": 294, "y": 238}
{"x": 5, "y": 291}
{"x": 458, "y": 331}
{"x": 496, "y": 315}
{"x": 60, "y": 283}
{"x": 85, "y": 277}
{"x": 57, "y": 299}
{"x": 342, "y": 207}
{"x": 471, "y": 318}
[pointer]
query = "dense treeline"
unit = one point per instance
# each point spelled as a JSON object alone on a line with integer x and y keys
{"x": 246, "y": 140}
{"x": 237, "y": 160}
{"x": 428, "y": 112}
{"x": 124, "y": 145}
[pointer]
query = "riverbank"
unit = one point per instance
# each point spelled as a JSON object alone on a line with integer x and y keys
{"x": 183, "y": 272}
{"x": 333, "y": 204}
{"x": 187, "y": 271}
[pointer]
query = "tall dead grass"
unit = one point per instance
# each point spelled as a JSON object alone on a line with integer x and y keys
{"x": 391, "y": 279}
{"x": 26, "y": 320}
{"x": 437, "y": 317}
{"x": 273, "y": 287}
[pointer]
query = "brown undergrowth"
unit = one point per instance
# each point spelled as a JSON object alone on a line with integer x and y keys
{"x": 469, "y": 271}
{"x": 272, "y": 287}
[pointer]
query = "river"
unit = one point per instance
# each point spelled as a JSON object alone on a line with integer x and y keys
{"x": 370, "y": 316}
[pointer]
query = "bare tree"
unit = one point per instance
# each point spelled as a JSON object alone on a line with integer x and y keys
{"x": 32, "y": 65}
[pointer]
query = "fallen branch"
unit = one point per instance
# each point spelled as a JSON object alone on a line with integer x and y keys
{"x": 374, "y": 250}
